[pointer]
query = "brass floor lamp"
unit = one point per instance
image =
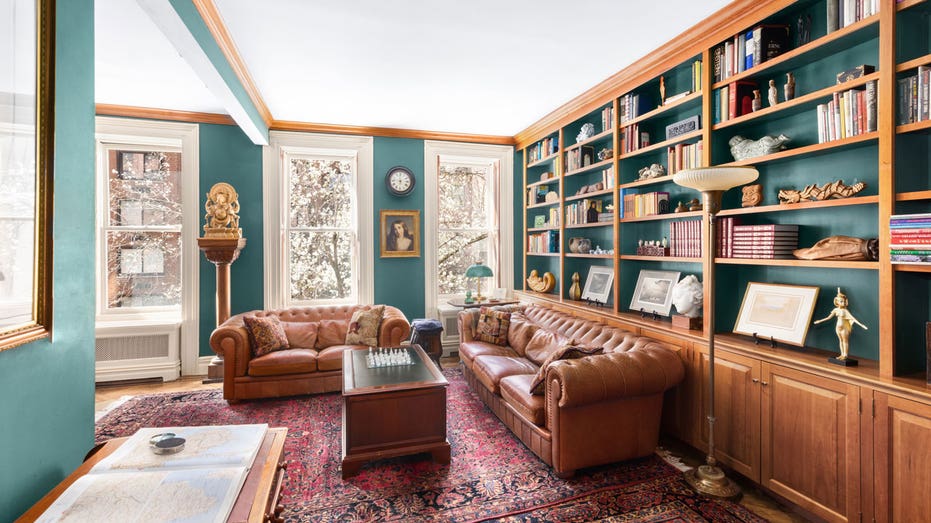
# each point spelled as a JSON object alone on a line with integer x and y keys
{"x": 713, "y": 182}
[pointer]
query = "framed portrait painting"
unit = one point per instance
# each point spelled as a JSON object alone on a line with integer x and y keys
{"x": 653, "y": 293}
{"x": 780, "y": 312}
{"x": 400, "y": 234}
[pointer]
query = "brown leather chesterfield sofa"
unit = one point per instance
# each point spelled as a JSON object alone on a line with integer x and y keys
{"x": 594, "y": 410}
{"x": 301, "y": 370}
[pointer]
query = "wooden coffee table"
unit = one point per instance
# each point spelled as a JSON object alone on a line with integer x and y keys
{"x": 392, "y": 411}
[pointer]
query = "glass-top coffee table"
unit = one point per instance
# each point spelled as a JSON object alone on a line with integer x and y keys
{"x": 392, "y": 411}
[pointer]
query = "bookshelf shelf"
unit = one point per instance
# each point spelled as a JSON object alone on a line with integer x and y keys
{"x": 857, "y": 200}
{"x": 798, "y": 104}
{"x": 593, "y": 256}
{"x": 663, "y": 144}
{"x": 666, "y": 216}
{"x": 906, "y": 4}
{"x": 912, "y": 267}
{"x": 684, "y": 102}
{"x": 543, "y": 182}
{"x": 542, "y": 229}
{"x": 596, "y": 138}
{"x": 913, "y": 196}
{"x": 913, "y": 64}
{"x": 823, "y": 264}
{"x": 590, "y": 225}
{"x": 543, "y": 161}
{"x": 544, "y": 204}
{"x": 680, "y": 259}
{"x": 810, "y": 150}
{"x": 604, "y": 164}
{"x": 649, "y": 181}
{"x": 589, "y": 195}
{"x": 543, "y": 254}
{"x": 923, "y": 125}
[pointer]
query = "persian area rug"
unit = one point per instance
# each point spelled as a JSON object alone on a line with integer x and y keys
{"x": 492, "y": 476}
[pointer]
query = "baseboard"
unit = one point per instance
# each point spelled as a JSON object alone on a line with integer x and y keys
{"x": 136, "y": 369}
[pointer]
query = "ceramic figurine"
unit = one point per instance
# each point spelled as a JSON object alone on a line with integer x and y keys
{"x": 662, "y": 90}
{"x": 789, "y": 87}
{"x": 757, "y": 102}
{"x": 587, "y": 131}
{"x": 773, "y": 93}
{"x": 575, "y": 291}
{"x": 744, "y": 148}
{"x": 845, "y": 322}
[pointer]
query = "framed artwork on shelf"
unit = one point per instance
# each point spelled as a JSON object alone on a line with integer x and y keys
{"x": 653, "y": 293}
{"x": 400, "y": 234}
{"x": 777, "y": 311}
{"x": 598, "y": 284}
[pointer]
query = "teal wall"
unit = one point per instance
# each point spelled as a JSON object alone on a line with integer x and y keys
{"x": 227, "y": 155}
{"x": 48, "y": 386}
{"x": 399, "y": 281}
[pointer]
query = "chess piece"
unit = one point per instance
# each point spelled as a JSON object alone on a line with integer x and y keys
{"x": 845, "y": 322}
{"x": 773, "y": 94}
{"x": 757, "y": 102}
{"x": 789, "y": 87}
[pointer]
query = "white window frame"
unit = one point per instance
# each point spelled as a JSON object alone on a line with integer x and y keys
{"x": 502, "y": 158}
{"x": 275, "y": 202}
{"x": 155, "y": 135}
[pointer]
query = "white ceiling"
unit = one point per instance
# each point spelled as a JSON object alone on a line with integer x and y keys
{"x": 484, "y": 66}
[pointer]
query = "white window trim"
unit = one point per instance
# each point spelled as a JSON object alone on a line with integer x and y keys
{"x": 159, "y": 134}
{"x": 276, "y": 279}
{"x": 504, "y": 155}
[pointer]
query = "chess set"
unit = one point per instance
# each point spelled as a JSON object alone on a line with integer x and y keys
{"x": 383, "y": 357}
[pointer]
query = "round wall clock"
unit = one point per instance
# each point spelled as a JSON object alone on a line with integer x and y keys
{"x": 400, "y": 181}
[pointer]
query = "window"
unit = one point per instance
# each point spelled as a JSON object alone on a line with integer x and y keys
{"x": 318, "y": 220}
{"x": 466, "y": 217}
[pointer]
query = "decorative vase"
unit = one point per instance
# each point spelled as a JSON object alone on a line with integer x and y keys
{"x": 574, "y": 245}
{"x": 575, "y": 291}
{"x": 757, "y": 102}
{"x": 789, "y": 87}
{"x": 584, "y": 246}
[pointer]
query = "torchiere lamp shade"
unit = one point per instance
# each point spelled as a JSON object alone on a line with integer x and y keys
{"x": 715, "y": 178}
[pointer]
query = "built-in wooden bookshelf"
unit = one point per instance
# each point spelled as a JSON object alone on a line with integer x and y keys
{"x": 893, "y": 300}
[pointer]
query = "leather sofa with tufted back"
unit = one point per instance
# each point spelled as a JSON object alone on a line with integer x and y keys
{"x": 297, "y": 370}
{"x": 594, "y": 410}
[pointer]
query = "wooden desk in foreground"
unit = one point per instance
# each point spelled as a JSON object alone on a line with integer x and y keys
{"x": 257, "y": 501}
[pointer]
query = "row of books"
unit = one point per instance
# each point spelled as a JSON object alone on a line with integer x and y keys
{"x": 632, "y": 139}
{"x": 683, "y": 156}
{"x": 749, "y": 49}
{"x": 542, "y": 149}
{"x": 734, "y": 99}
{"x": 537, "y": 194}
{"x": 579, "y": 157}
{"x": 766, "y": 241}
{"x": 632, "y": 105}
{"x": 910, "y": 238}
{"x": 914, "y": 102}
{"x": 685, "y": 238}
{"x": 607, "y": 118}
{"x": 841, "y": 13}
{"x": 696, "y": 76}
{"x": 607, "y": 178}
{"x": 543, "y": 242}
{"x": 577, "y": 212}
{"x": 649, "y": 204}
{"x": 850, "y": 113}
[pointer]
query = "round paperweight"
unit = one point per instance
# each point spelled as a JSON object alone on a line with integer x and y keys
{"x": 166, "y": 443}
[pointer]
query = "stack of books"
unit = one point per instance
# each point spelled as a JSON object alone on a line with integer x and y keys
{"x": 769, "y": 241}
{"x": 683, "y": 156}
{"x": 544, "y": 242}
{"x": 685, "y": 238}
{"x": 910, "y": 238}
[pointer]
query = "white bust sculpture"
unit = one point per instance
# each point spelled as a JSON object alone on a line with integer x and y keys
{"x": 688, "y": 296}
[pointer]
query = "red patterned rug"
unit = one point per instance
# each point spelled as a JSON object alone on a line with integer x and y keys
{"x": 492, "y": 476}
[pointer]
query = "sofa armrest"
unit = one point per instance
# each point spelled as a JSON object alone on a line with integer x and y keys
{"x": 467, "y": 320}
{"x": 648, "y": 368}
{"x": 231, "y": 341}
{"x": 394, "y": 327}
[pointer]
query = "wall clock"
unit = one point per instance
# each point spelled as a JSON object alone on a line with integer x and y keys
{"x": 400, "y": 181}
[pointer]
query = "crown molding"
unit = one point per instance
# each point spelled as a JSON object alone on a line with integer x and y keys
{"x": 285, "y": 125}
{"x": 705, "y": 34}
{"x": 211, "y": 15}
{"x": 162, "y": 114}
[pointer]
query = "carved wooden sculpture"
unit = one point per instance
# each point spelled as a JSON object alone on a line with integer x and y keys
{"x": 830, "y": 190}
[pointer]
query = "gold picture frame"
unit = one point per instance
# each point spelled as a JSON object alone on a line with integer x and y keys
{"x": 777, "y": 311}
{"x": 28, "y": 282}
{"x": 399, "y": 233}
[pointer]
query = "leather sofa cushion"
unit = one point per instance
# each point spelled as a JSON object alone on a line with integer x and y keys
{"x": 331, "y": 358}
{"x": 490, "y": 369}
{"x": 515, "y": 390}
{"x": 301, "y": 334}
{"x": 543, "y": 343}
{"x": 470, "y": 350}
{"x": 520, "y": 332}
{"x": 281, "y": 362}
{"x": 332, "y": 332}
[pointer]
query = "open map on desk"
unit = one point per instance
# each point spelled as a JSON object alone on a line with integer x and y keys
{"x": 198, "y": 484}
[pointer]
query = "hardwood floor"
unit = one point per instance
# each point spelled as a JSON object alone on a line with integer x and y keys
{"x": 108, "y": 394}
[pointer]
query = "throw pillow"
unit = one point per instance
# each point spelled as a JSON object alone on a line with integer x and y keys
{"x": 363, "y": 326}
{"x": 301, "y": 334}
{"x": 566, "y": 352}
{"x": 265, "y": 334}
{"x": 492, "y": 326}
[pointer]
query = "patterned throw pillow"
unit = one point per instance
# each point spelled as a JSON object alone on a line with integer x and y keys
{"x": 265, "y": 334}
{"x": 566, "y": 352}
{"x": 363, "y": 326}
{"x": 493, "y": 326}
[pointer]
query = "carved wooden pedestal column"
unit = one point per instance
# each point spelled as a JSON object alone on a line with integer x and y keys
{"x": 222, "y": 252}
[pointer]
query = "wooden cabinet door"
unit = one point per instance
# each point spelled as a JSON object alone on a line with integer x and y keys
{"x": 811, "y": 441}
{"x": 901, "y": 459}
{"x": 737, "y": 411}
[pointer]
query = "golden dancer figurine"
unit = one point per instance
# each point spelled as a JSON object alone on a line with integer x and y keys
{"x": 845, "y": 321}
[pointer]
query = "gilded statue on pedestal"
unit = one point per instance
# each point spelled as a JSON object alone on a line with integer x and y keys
{"x": 845, "y": 322}
{"x": 222, "y": 212}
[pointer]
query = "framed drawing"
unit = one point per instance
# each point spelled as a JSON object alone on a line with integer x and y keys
{"x": 780, "y": 312}
{"x": 26, "y": 165}
{"x": 598, "y": 284}
{"x": 653, "y": 293}
{"x": 400, "y": 234}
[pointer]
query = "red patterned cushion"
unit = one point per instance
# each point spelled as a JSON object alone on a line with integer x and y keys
{"x": 566, "y": 352}
{"x": 265, "y": 334}
{"x": 493, "y": 326}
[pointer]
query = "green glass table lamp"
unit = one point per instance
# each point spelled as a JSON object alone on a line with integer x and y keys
{"x": 478, "y": 271}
